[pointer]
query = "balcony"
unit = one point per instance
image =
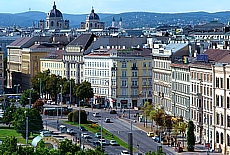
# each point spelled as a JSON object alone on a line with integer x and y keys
{"x": 134, "y": 86}
{"x": 124, "y": 86}
{"x": 133, "y": 68}
{"x": 113, "y": 68}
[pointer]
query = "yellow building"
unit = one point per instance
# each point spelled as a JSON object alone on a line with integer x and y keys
{"x": 134, "y": 79}
{"x": 53, "y": 63}
{"x": 24, "y": 55}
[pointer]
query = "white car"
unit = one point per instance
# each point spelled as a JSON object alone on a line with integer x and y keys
{"x": 102, "y": 141}
{"x": 113, "y": 142}
{"x": 125, "y": 152}
{"x": 85, "y": 135}
{"x": 96, "y": 114}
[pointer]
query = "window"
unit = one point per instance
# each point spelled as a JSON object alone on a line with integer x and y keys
{"x": 228, "y": 140}
{"x": 217, "y": 119}
{"x": 144, "y": 64}
{"x": 123, "y": 73}
{"x": 123, "y": 83}
{"x": 221, "y": 101}
{"x": 134, "y": 64}
{"x": 123, "y": 65}
{"x": 221, "y": 138}
{"x": 228, "y": 121}
{"x": 217, "y": 100}
{"x": 134, "y": 73}
{"x": 227, "y": 83}
{"x": 217, "y": 137}
{"x": 217, "y": 82}
{"x": 134, "y": 82}
{"x": 222, "y": 119}
{"x": 221, "y": 82}
{"x": 228, "y": 104}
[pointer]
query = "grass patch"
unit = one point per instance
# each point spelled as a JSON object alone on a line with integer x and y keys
{"x": 94, "y": 128}
{"x": 5, "y": 131}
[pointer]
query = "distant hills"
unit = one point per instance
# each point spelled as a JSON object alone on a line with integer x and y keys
{"x": 130, "y": 19}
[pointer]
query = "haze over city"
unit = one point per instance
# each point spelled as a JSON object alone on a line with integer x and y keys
{"x": 115, "y": 6}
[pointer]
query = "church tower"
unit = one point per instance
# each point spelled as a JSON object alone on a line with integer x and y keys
{"x": 113, "y": 22}
{"x": 120, "y": 23}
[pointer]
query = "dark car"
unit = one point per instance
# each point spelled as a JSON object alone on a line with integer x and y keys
{"x": 113, "y": 112}
{"x": 96, "y": 143}
{"x": 83, "y": 128}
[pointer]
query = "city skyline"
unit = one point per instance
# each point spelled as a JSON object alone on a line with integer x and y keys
{"x": 115, "y": 6}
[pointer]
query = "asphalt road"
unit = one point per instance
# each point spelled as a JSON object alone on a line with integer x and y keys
{"x": 111, "y": 150}
{"x": 121, "y": 129}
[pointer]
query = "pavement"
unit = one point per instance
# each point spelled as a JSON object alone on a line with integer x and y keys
{"x": 199, "y": 149}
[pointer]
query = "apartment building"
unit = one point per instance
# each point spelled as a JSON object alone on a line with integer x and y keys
{"x": 181, "y": 89}
{"x": 119, "y": 78}
{"x": 53, "y": 63}
{"x": 201, "y": 104}
{"x": 2, "y": 76}
{"x": 163, "y": 55}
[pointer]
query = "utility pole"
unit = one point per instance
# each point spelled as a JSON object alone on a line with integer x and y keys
{"x": 61, "y": 100}
{"x": 130, "y": 139}
{"x": 30, "y": 98}
{"x": 101, "y": 129}
{"x": 70, "y": 92}
{"x": 79, "y": 122}
{"x": 40, "y": 87}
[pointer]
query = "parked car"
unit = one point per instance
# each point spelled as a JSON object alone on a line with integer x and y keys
{"x": 164, "y": 142}
{"x": 96, "y": 114}
{"x": 85, "y": 135}
{"x": 96, "y": 143}
{"x": 113, "y": 143}
{"x": 150, "y": 134}
{"x": 156, "y": 138}
{"x": 82, "y": 128}
{"x": 113, "y": 112}
{"x": 70, "y": 131}
{"x": 125, "y": 152}
{"x": 102, "y": 141}
{"x": 107, "y": 120}
{"x": 97, "y": 135}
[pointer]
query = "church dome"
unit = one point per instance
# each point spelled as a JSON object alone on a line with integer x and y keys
{"x": 92, "y": 16}
{"x": 54, "y": 12}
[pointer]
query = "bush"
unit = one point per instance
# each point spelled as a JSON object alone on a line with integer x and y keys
{"x": 75, "y": 117}
{"x": 70, "y": 117}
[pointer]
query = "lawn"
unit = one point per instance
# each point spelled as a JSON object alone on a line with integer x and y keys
{"x": 92, "y": 127}
{"x": 5, "y": 131}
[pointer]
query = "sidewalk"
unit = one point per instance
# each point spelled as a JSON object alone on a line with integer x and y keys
{"x": 199, "y": 149}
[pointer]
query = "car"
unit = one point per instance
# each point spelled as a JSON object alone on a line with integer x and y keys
{"x": 156, "y": 138}
{"x": 70, "y": 131}
{"x": 113, "y": 112}
{"x": 113, "y": 142}
{"x": 96, "y": 143}
{"x": 85, "y": 135}
{"x": 150, "y": 134}
{"x": 107, "y": 120}
{"x": 97, "y": 135}
{"x": 102, "y": 141}
{"x": 83, "y": 128}
{"x": 96, "y": 114}
{"x": 164, "y": 142}
{"x": 125, "y": 152}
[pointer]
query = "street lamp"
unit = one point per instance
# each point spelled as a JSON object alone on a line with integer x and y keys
{"x": 40, "y": 87}
{"x": 30, "y": 98}
{"x": 61, "y": 100}
{"x": 101, "y": 129}
{"x": 27, "y": 127}
{"x": 79, "y": 121}
{"x": 208, "y": 133}
{"x": 70, "y": 92}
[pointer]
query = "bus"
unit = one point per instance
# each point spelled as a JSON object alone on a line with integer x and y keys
{"x": 52, "y": 111}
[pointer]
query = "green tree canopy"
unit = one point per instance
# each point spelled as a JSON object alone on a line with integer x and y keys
{"x": 190, "y": 136}
{"x": 8, "y": 115}
{"x": 35, "y": 123}
{"x": 84, "y": 91}
{"x": 26, "y": 95}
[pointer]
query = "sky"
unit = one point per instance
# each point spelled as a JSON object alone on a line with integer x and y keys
{"x": 115, "y": 6}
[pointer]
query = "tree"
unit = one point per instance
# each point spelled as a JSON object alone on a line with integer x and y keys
{"x": 190, "y": 136}
{"x": 83, "y": 116}
{"x": 182, "y": 129}
{"x": 38, "y": 105}
{"x": 68, "y": 146}
{"x": 70, "y": 117}
{"x": 8, "y": 115}
{"x": 35, "y": 123}
{"x": 26, "y": 95}
{"x": 84, "y": 91}
{"x": 9, "y": 146}
{"x": 148, "y": 107}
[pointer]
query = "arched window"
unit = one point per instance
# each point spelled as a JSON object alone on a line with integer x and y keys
{"x": 47, "y": 24}
{"x": 91, "y": 25}
{"x": 87, "y": 25}
{"x": 52, "y": 23}
{"x": 95, "y": 25}
{"x": 57, "y": 24}
{"x": 222, "y": 138}
{"x": 217, "y": 137}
